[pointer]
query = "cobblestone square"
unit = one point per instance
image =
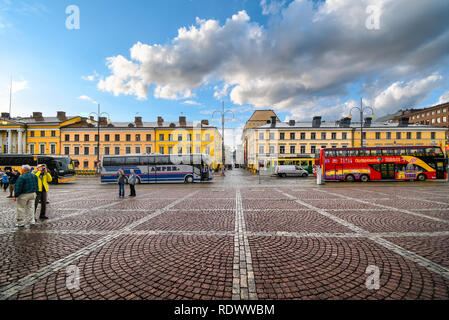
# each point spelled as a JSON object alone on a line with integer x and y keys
{"x": 234, "y": 238}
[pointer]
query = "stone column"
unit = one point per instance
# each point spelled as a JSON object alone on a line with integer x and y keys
{"x": 1, "y": 141}
{"x": 19, "y": 141}
{"x": 9, "y": 140}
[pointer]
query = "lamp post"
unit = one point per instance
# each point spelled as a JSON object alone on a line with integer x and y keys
{"x": 223, "y": 119}
{"x": 362, "y": 109}
{"x": 98, "y": 114}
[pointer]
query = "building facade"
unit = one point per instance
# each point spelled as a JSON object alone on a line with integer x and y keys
{"x": 295, "y": 140}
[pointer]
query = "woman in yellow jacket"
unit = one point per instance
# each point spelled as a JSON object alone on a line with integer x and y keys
{"x": 43, "y": 178}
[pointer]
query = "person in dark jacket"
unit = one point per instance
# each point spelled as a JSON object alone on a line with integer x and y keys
{"x": 132, "y": 180}
{"x": 25, "y": 191}
{"x": 13, "y": 176}
{"x": 121, "y": 180}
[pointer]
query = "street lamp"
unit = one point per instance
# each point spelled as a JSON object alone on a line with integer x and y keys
{"x": 99, "y": 114}
{"x": 223, "y": 119}
{"x": 362, "y": 109}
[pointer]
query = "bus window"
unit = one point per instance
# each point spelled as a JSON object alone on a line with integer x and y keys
{"x": 330, "y": 153}
{"x": 376, "y": 152}
{"x": 162, "y": 160}
{"x": 303, "y": 163}
{"x": 187, "y": 159}
{"x": 106, "y": 162}
{"x": 117, "y": 161}
{"x": 144, "y": 161}
{"x": 132, "y": 161}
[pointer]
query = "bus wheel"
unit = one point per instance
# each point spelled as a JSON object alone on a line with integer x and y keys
{"x": 364, "y": 178}
{"x": 188, "y": 179}
{"x": 422, "y": 177}
{"x": 350, "y": 178}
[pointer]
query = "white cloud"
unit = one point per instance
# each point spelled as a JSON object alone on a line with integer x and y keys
{"x": 444, "y": 98}
{"x": 313, "y": 53}
{"x": 91, "y": 77}
{"x": 87, "y": 98}
{"x": 18, "y": 86}
{"x": 271, "y": 6}
{"x": 192, "y": 102}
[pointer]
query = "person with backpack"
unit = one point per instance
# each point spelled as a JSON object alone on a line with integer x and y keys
{"x": 13, "y": 176}
{"x": 121, "y": 180}
{"x": 5, "y": 181}
{"x": 25, "y": 190}
{"x": 132, "y": 180}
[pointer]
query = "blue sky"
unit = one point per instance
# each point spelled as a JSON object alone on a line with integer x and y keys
{"x": 293, "y": 56}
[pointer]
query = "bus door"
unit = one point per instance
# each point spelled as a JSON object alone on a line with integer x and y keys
{"x": 151, "y": 176}
{"x": 440, "y": 169}
{"x": 387, "y": 171}
{"x": 339, "y": 174}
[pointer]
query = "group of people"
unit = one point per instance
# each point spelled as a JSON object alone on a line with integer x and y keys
{"x": 8, "y": 179}
{"x": 30, "y": 189}
{"x": 122, "y": 179}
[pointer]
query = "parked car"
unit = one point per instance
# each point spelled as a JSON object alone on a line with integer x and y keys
{"x": 290, "y": 170}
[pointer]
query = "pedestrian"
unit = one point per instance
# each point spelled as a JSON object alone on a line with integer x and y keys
{"x": 121, "y": 180}
{"x": 55, "y": 176}
{"x": 13, "y": 176}
{"x": 204, "y": 172}
{"x": 25, "y": 190}
{"x": 1, "y": 178}
{"x": 43, "y": 178}
{"x": 5, "y": 181}
{"x": 132, "y": 180}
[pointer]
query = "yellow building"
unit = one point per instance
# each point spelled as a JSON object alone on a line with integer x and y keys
{"x": 275, "y": 141}
{"x": 184, "y": 137}
{"x": 35, "y": 134}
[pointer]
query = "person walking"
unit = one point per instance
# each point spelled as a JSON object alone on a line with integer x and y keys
{"x": 55, "y": 174}
{"x": 25, "y": 190}
{"x": 43, "y": 178}
{"x": 132, "y": 180}
{"x": 121, "y": 180}
{"x": 5, "y": 181}
{"x": 13, "y": 176}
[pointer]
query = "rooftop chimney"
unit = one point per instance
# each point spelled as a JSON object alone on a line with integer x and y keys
{"x": 61, "y": 115}
{"x": 403, "y": 122}
{"x": 138, "y": 121}
{"x": 205, "y": 122}
{"x": 38, "y": 116}
{"x": 344, "y": 122}
{"x": 160, "y": 121}
{"x": 368, "y": 122}
{"x": 273, "y": 121}
{"x": 182, "y": 121}
{"x": 316, "y": 122}
{"x": 291, "y": 123}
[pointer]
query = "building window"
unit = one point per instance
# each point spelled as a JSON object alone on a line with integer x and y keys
{"x": 117, "y": 150}
{"x": 170, "y": 137}
{"x": 189, "y": 150}
{"x": 438, "y": 120}
{"x": 148, "y": 149}
{"x": 398, "y": 135}
{"x": 418, "y": 135}
{"x": 344, "y": 135}
{"x": 86, "y": 137}
{"x": 303, "y": 149}
{"x": 42, "y": 148}
{"x": 117, "y": 137}
{"x": 53, "y": 133}
{"x": 313, "y": 149}
{"x": 189, "y": 137}
{"x": 161, "y": 150}
{"x": 96, "y": 150}
{"x": 207, "y": 137}
{"x": 77, "y": 137}
{"x": 198, "y": 137}
{"x": 303, "y": 136}
{"x": 76, "y": 150}
{"x": 334, "y": 136}
{"x": 323, "y": 135}
{"x": 282, "y": 149}
{"x": 260, "y": 135}
{"x": 66, "y": 150}
{"x": 207, "y": 150}
{"x": 271, "y": 135}
{"x": 313, "y": 135}
{"x": 106, "y": 137}
{"x": 377, "y": 135}
{"x": 388, "y": 135}
{"x": 67, "y": 137}
{"x": 86, "y": 151}
{"x": 444, "y": 119}
{"x": 42, "y": 133}
{"x": 128, "y": 137}
{"x": 409, "y": 135}
{"x": 53, "y": 149}
{"x": 281, "y": 136}
{"x": 180, "y": 150}
{"x": 438, "y": 111}
{"x": 137, "y": 149}
{"x": 170, "y": 150}
{"x": 292, "y": 136}
{"x": 261, "y": 149}
{"x": 127, "y": 150}
{"x": 433, "y": 121}
{"x": 292, "y": 149}
{"x": 86, "y": 164}
{"x": 31, "y": 133}
{"x": 161, "y": 137}
{"x": 179, "y": 137}
{"x": 96, "y": 137}
{"x": 271, "y": 149}
{"x": 148, "y": 137}
{"x": 31, "y": 148}
{"x": 198, "y": 150}
{"x": 364, "y": 135}
{"x": 137, "y": 137}
{"x": 106, "y": 151}
{"x": 432, "y": 135}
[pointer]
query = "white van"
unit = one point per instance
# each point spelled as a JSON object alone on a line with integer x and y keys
{"x": 291, "y": 170}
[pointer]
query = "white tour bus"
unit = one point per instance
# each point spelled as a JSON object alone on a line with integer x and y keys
{"x": 158, "y": 168}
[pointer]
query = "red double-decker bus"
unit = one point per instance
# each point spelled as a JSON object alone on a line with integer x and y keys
{"x": 383, "y": 163}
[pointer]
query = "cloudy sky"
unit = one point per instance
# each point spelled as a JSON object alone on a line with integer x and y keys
{"x": 184, "y": 57}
